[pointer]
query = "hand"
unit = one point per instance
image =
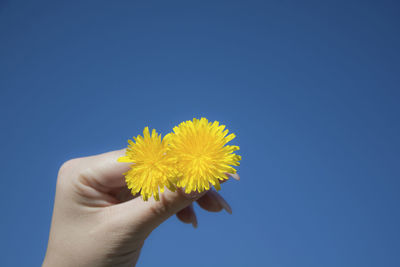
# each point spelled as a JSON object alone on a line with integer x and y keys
{"x": 97, "y": 222}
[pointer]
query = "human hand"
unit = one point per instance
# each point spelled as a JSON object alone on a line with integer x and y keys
{"x": 97, "y": 222}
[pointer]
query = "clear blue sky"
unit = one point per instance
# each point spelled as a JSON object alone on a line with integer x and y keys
{"x": 311, "y": 88}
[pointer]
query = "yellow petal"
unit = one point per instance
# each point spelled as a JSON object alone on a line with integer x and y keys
{"x": 124, "y": 159}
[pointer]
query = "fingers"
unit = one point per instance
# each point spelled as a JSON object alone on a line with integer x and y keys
{"x": 211, "y": 201}
{"x": 104, "y": 170}
{"x": 214, "y": 202}
{"x": 122, "y": 194}
{"x": 144, "y": 216}
{"x": 188, "y": 215}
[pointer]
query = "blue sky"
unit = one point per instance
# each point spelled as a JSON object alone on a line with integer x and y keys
{"x": 311, "y": 88}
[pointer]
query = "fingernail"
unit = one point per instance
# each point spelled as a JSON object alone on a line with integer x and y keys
{"x": 224, "y": 204}
{"x": 194, "y": 220}
{"x": 234, "y": 176}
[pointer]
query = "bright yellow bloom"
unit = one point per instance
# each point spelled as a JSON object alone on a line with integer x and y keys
{"x": 202, "y": 156}
{"x": 151, "y": 169}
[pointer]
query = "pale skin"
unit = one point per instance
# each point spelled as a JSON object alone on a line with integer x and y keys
{"x": 97, "y": 222}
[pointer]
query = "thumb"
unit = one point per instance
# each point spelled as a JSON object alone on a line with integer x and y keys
{"x": 144, "y": 216}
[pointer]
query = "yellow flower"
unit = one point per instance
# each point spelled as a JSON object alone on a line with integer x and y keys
{"x": 202, "y": 156}
{"x": 151, "y": 169}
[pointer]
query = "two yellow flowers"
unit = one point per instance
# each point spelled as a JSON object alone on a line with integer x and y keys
{"x": 192, "y": 157}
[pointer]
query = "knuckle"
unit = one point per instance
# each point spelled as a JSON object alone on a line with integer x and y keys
{"x": 161, "y": 208}
{"x": 67, "y": 170}
{"x": 67, "y": 167}
{"x": 158, "y": 209}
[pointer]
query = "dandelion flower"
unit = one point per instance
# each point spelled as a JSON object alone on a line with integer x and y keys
{"x": 202, "y": 156}
{"x": 151, "y": 169}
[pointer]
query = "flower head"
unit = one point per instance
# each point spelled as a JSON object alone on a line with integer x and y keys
{"x": 202, "y": 156}
{"x": 151, "y": 169}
